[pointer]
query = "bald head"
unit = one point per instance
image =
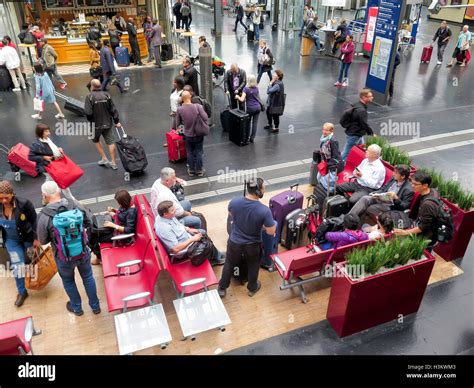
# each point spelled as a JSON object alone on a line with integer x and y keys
{"x": 95, "y": 84}
{"x": 186, "y": 97}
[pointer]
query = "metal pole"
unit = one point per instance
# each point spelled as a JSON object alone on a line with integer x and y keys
{"x": 206, "y": 90}
{"x": 217, "y": 18}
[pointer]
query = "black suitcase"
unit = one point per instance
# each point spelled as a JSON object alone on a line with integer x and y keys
{"x": 294, "y": 232}
{"x": 6, "y": 82}
{"x": 239, "y": 124}
{"x": 250, "y": 36}
{"x": 131, "y": 153}
{"x": 261, "y": 26}
{"x": 72, "y": 104}
{"x": 166, "y": 52}
{"x": 335, "y": 206}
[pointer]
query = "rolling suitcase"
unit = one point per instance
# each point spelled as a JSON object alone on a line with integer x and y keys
{"x": 122, "y": 56}
{"x": 294, "y": 230}
{"x": 270, "y": 247}
{"x": 131, "y": 153}
{"x": 6, "y": 82}
{"x": 335, "y": 206}
{"x": 18, "y": 159}
{"x": 176, "y": 146}
{"x": 284, "y": 203}
{"x": 426, "y": 54}
{"x": 313, "y": 169}
{"x": 468, "y": 57}
{"x": 72, "y": 104}
{"x": 250, "y": 35}
{"x": 239, "y": 122}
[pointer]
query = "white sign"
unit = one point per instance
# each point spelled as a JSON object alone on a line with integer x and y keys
{"x": 82, "y": 18}
{"x": 334, "y": 3}
{"x": 371, "y": 29}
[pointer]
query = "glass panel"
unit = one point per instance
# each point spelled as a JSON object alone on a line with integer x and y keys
{"x": 59, "y": 4}
{"x": 118, "y": 2}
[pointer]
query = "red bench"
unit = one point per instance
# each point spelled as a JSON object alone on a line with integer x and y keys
{"x": 16, "y": 336}
{"x": 187, "y": 279}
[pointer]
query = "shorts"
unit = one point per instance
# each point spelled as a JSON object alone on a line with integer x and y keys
{"x": 458, "y": 51}
{"x": 106, "y": 133}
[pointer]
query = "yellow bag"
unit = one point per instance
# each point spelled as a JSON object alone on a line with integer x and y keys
{"x": 42, "y": 269}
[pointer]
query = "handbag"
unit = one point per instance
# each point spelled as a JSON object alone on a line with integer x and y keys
{"x": 44, "y": 269}
{"x": 278, "y": 104}
{"x": 200, "y": 250}
{"x": 323, "y": 168}
{"x": 95, "y": 72}
{"x": 64, "y": 172}
{"x": 200, "y": 127}
{"x": 38, "y": 104}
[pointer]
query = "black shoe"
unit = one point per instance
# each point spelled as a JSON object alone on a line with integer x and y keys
{"x": 275, "y": 130}
{"x": 234, "y": 30}
{"x": 191, "y": 173}
{"x": 267, "y": 127}
{"x": 214, "y": 263}
{"x": 201, "y": 173}
{"x": 251, "y": 140}
{"x": 252, "y": 293}
{"x": 222, "y": 292}
{"x": 20, "y": 299}
{"x": 124, "y": 91}
{"x": 269, "y": 268}
{"x": 96, "y": 311}
{"x": 70, "y": 309}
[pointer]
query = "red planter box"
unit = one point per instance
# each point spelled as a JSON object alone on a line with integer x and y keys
{"x": 463, "y": 228}
{"x": 356, "y": 305}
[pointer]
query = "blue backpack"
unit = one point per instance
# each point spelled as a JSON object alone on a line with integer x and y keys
{"x": 70, "y": 238}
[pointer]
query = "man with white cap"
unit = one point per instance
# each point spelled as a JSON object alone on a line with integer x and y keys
{"x": 73, "y": 219}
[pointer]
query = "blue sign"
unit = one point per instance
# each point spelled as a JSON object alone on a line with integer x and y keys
{"x": 384, "y": 45}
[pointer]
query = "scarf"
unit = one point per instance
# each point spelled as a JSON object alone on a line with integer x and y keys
{"x": 54, "y": 147}
{"x": 324, "y": 139}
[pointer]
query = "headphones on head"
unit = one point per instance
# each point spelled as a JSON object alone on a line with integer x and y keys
{"x": 256, "y": 184}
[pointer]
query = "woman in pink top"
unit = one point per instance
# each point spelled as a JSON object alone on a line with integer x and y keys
{"x": 347, "y": 50}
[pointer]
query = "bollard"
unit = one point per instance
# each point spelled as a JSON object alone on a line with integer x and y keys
{"x": 206, "y": 89}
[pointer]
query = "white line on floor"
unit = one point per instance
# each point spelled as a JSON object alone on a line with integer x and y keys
{"x": 432, "y": 137}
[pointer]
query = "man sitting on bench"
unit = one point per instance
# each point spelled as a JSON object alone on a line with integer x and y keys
{"x": 369, "y": 174}
{"x": 398, "y": 194}
{"x": 176, "y": 237}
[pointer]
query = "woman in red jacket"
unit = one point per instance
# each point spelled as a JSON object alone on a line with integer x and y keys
{"x": 347, "y": 50}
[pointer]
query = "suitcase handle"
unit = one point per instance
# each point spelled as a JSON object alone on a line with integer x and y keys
{"x": 4, "y": 148}
{"x": 124, "y": 135}
{"x": 295, "y": 185}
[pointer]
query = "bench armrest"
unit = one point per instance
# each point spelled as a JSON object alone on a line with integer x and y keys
{"x": 132, "y": 297}
{"x": 122, "y": 236}
{"x": 192, "y": 282}
{"x": 279, "y": 263}
{"x": 127, "y": 264}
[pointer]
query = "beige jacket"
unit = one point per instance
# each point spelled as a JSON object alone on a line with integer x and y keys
{"x": 49, "y": 56}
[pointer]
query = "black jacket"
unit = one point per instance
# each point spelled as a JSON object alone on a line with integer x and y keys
{"x": 191, "y": 79}
{"x": 100, "y": 109}
{"x": 132, "y": 32}
{"x": 405, "y": 194}
{"x": 359, "y": 125}
{"x": 239, "y": 10}
{"x": 335, "y": 162}
{"x": 229, "y": 81}
{"x": 37, "y": 150}
{"x": 128, "y": 219}
{"x": 25, "y": 217}
{"x": 441, "y": 35}
{"x": 93, "y": 35}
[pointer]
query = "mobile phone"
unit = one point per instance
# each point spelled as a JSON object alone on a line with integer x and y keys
{"x": 357, "y": 169}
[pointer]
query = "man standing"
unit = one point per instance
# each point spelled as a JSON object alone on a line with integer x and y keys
{"x": 160, "y": 191}
{"x": 108, "y": 67}
{"x": 101, "y": 111}
{"x": 187, "y": 115}
{"x": 132, "y": 39}
{"x": 119, "y": 22}
{"x": 10, "y": 58}
{"x": 355, "y": 122}
{"x": 235, "y": 81}
{"x": 185, "y": 12}
{"x": 239, "y": 10}
{"x": 93, "y": 35}
{"x": 249, "y": 217}
{"x": 156, "y": 42}
{"x": 395, "y": 65}
{"x": 443, "y": 34}
{"x": 49, "y": 233}
{"x": 190, "y": 75}
{"x": 49, "y": 58}
{"x": 177, "y": 13}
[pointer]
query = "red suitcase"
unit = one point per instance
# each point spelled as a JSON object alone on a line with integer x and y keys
{"x": 426, "y": 54}
{"x": 18, "y": 156}
{"x": 64, "y": 172}
{"x": 468, "y": 57}
{"x": 176, "y": 146}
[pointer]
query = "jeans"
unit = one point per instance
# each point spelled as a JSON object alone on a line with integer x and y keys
{"x": 178, "y": 21}
{"x": 350, "y": 142}
{"x": 16, "y": 251}
{"x": 107, "y": 80}
{"x": 194, "y": 152}
{"x": 191, "y": 221}
{"x": 317, "y": 41}
{"x": 54, "y": 72}
{"x": 323, "y": 180}
{"x": 302, "y": 28}
{"x": 66, "y": 272}
{"x": 150, "y": 51}
{"x": 256, "y": 30}
{"x": 250, "y": 134}
{"x": 441, "y": 48}
{"x": 242, "y": 261}
{"x": 260, "y": 73}
{"x": 185, "y": 22}
{"x": 344, "y": 70}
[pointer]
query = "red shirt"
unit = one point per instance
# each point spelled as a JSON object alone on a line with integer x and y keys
{"x": 10, "y": 44}
{"x": 38, "y": 36}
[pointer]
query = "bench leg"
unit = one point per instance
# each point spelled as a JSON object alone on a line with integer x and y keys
{"x": 303, "y": 296}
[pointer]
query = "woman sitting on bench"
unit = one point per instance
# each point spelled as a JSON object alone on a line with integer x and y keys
{"x": 384, "y": 226}
{"x": 350, "y": 235}
{"x": 125, "y": 222}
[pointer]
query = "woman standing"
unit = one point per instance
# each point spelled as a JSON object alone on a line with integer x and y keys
{"x": 45, "y": 91}
{"x": 347, "y": 50}
{"x": 18, "y": 228}
{"x": 330, "y": 153}
{"x": 276, "y": 101}
{"x": 254, "y": 105}
{"x": 114, "y": 36}
{"x": 265, "y": 60}
{"x": 43, "y": 151}
{"x": 175, "y": 98}
{"x": 148, "y": 30}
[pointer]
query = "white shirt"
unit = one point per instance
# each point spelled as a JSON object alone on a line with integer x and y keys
{"x": 9, "y": 57}
{"x": 54, "y": 147}
{"x": 373, "y": 174}
{"x": 256, "y": 16}
{"x": 160, "y": 193}
{"x": 174, "y": 99}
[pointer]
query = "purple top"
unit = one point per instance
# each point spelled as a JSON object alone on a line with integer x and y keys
{"x": 251, "y": 96}
{"x": 187, "y": 115}
{"x": 339, "y": 239}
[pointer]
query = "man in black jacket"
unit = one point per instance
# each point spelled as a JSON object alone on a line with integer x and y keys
{"x": 93, "y": 34}
{"x": 235, "y": 81}
{"x": 443, "y": 33}
{"x": 399, "y": 195}
{"x": 132, "y": 39}
{"x": 190, "y": 75}
{"x": 177, "y": 13}
{"x": 357, "y": 125}
{"x": 101, "y": 111}
{"x": 239, "y": 10}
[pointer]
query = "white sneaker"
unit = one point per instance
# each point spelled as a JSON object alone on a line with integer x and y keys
{"x": 439, "y": 63}
{"x": 36, "y": 116}
{"x": 16, "y": 90}
{"x": 59, "y": 116}
{"x": 103, "y": 162}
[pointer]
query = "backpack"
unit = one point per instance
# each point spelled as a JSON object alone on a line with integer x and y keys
{"x": 28, "y": 38}
{"x": 205, "y": 104}
{"x": 185, "y": 10}
{"x": 331, "y": 224}
{"x": 444, "y": 224}
{"x": 346, "y": 118}
{"x": 70, "y": 238}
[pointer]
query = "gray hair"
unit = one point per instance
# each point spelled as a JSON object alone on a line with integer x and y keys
{"x": 166, "y": 173}
{"x": 376, "y": 149}
{"x": 251, "y": 81}
{"x": 50, "y": 188}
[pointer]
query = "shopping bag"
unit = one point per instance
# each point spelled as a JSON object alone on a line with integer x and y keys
{"x": 43, "y": 268}
{"x": 38, "y": 105}
{"x": 323, "y": 168}
{"x": 64, "y": 172}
